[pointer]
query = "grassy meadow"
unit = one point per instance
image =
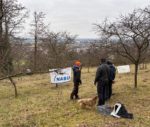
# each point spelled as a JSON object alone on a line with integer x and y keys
{"x": 41, "y": 104}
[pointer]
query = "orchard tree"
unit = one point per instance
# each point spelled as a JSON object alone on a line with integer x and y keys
{"x": 56, "y": 47}
{"x": 131, "y": 34}
{"x": 38, "y": 28}
{"x": 13, "y": 15}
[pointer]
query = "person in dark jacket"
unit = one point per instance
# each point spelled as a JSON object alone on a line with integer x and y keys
{"x": 111, "y": 77}
{"x": 76, "y": 80}
{"x": 102, "y": 80}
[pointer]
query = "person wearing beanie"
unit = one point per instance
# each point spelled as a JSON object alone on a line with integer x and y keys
{"x": 76, "y": 80}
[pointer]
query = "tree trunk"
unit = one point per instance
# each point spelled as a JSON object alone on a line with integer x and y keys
{"x": 35, "y": 53}
{"x": 14, "y": 84}
{"x": 1, "y": 16}
{"x": 135, "y": 75}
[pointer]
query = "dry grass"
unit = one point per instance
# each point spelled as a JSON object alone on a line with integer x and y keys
{"x": 40, "y": 104}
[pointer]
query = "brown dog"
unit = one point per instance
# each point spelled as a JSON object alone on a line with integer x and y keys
{"x": 87, "y": 102}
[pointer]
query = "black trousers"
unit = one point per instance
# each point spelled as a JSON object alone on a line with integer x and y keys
{"x": 75, "y": 91}
{"x": 110, "y": 88}
{"x": 101, "y": 91}
{"x": 107, "y": 92}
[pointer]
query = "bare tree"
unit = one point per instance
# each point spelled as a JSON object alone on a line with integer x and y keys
{"x": 13, "y": 17}
{"x": 56, "y": 47}
{"x": 37, "y": 31}
{"x": 1, "y": 32}
{"x": 1, "y": 16}
{"x": 20, "y": 52}
{"x": 132, "y": 34}
{"x": 91, "y": 55}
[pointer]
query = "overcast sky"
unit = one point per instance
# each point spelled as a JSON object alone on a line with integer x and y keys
{"x": 77, "y": 16}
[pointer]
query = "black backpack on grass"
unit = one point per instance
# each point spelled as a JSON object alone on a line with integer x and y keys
{"x": 120, "y": 111}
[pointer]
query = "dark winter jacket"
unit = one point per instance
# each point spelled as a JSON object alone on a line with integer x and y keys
{"x": 76, "y": 74}
{"x": 102, "y": 73}
{"x": 112, "y": 72}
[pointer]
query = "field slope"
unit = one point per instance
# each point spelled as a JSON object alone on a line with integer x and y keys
{"x": 41, "y": 104}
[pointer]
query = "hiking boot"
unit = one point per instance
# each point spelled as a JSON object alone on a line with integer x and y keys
{"x": 77, "y": 98}
{"x": 71, "y": 97}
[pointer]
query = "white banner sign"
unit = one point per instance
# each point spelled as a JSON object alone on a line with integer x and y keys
{"x": 60, "y": 75}
{"x": 123, "y": 69}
